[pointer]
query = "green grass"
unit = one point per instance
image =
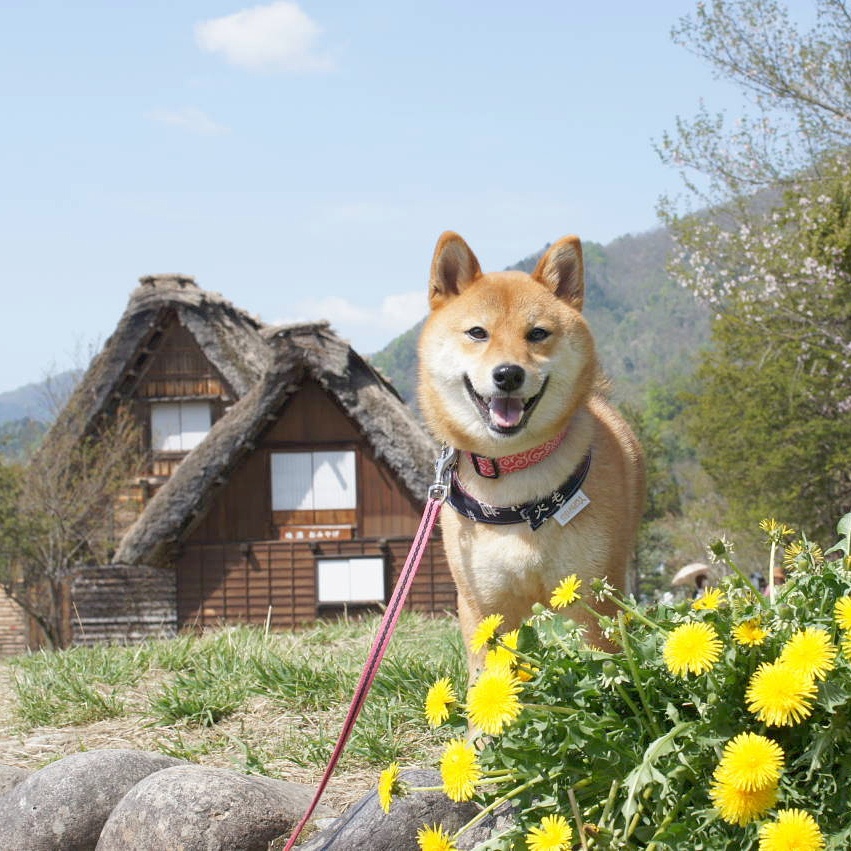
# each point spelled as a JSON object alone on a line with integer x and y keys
{"x": 258, "y": 700}
{"x": 77, "y": 686}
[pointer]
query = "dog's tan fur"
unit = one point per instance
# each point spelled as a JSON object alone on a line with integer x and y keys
{"x": 506, "y": 569}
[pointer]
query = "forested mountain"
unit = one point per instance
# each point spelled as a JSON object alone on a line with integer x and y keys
{"x": 39, "y": 400}
{"x": 647, "y": 328}
{"x": 26, "y": 411}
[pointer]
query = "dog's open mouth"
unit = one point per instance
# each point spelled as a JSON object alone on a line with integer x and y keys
{"x": 503, "y": 413}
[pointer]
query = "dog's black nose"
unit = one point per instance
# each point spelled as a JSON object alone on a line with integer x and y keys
{"x": 508, "y": 377}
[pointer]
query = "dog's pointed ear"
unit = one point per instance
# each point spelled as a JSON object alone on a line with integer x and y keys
{"x": 453, "y": 267}
{"x": 561, "y": 270}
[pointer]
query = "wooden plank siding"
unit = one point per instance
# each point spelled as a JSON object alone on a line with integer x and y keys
{"x": 119, "y": 603}
{"x": 178, "y": 369}
{"x": 13, "y": 627}
{"x": 230, "y": 583}
{"x": 234, "y": 566}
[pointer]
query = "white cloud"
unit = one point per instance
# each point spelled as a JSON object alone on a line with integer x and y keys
{"x": 190, "y": 118}
{"x": 368, "y": 328}
{"x": 276, "y": 37}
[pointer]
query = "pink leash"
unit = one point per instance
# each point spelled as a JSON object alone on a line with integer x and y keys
{"x": 436, "y": 496}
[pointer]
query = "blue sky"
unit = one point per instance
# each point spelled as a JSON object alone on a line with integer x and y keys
{"x": 302, "y": 158}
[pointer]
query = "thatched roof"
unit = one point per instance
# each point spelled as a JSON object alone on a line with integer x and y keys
{"x": 230, "y": 338}
{"x": 301, "y": 352}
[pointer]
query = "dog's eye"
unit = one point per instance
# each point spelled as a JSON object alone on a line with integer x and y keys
{"x": 538, "y": 335}
{"x": 477, "y": 333}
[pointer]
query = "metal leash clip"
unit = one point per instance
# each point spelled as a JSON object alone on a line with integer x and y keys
{"x": 443, "y": 467}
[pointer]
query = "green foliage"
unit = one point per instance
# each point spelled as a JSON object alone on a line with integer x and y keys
{"x": 399, "y": 362}
{"x": 663, "y": 496}
{"x": 774, "y": 390}
{"x": 19, "y": 438}
{"x": 626, "y": 745}
{"x": 17, "y": 530}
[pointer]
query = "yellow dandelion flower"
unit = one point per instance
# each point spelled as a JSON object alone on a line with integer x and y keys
{"x": 739, "y": 806}
{"x": 566, "y": 592}
{"x": 485, "y": 632}
{"x": 810, "y": 651}
{"x": 434, "y": 839}
{"x": 846, "y": 646}
{"x": 793, "y": 830}
{"x": 775, "y": 530}
{"x": 440, "y": 698}
{"x": 792, "y": 553}
{"x": 503, "y": 654}
{"x": 460, "y": 770}
{"x": 780, "y": 695}
{"x": 710, "y": 600}
{"x": 842, "y": 612}
{"x": 492, "y": 701}
{"x": 691, "y": 648}
{"x": 750, "y": 762}
{"x": 750, "y": 633}
{"x": 388, "y": 785}
{"x": 554, "y": 834}
{"x": 799, "y": 554}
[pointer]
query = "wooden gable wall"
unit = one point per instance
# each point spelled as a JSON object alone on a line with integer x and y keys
{"x": 172, "y": 367}
{"x": 242, "y": 509}
{"x": 179, "y": 369}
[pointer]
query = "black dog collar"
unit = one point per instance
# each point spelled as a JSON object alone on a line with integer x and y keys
{"x": 534, "y": 513}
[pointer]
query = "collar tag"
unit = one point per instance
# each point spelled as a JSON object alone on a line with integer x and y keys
{"x": 572, "y": 507}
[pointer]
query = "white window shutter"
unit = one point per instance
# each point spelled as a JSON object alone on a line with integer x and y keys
{"x": 334, "y": 480}
{"x": 165, "y": 426}
{"x": 350, "y": 580}
{"x": 194, "y": 423}
{"x": 332, "y": 580}
{"x": 367, "y": 580}
{"x": 292, "y": 477}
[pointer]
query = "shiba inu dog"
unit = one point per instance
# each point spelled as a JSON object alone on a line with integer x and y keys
{"x": 549, "y": 478}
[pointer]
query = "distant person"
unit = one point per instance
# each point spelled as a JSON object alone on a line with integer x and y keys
{"x": 759, "y": 581}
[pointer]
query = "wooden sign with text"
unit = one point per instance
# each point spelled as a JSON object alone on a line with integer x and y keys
{"x": 315, "y": 533}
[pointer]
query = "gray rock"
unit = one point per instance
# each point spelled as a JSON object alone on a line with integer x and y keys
{"x": 193, "y": 808}
{"x": 492, "y": 825}
{"x": 11, "y": 776}
{"x": 63, "y": 806}
{"x": 366, "y": 826}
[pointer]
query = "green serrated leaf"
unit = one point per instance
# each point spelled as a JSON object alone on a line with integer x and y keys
{"x": 527, "y": 639}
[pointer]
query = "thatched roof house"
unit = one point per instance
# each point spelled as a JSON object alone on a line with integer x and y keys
{"x": 286, "y": 477}
{"x": 301, "y": 352}
{"x": 231, "y": 340}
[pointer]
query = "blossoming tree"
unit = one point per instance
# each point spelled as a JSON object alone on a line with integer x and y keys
{"x": 771, "y": 253}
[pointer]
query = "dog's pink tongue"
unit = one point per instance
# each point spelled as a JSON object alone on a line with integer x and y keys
{"x": 506, "y": 411}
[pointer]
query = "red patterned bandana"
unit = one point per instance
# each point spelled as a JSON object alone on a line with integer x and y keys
{"x": 493, "y": 468}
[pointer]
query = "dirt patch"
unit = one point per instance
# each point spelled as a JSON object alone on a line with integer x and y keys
{"x": 246, "y": 741}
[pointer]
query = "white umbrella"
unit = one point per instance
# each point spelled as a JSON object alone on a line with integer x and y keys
{"x": 687, "y": 574}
